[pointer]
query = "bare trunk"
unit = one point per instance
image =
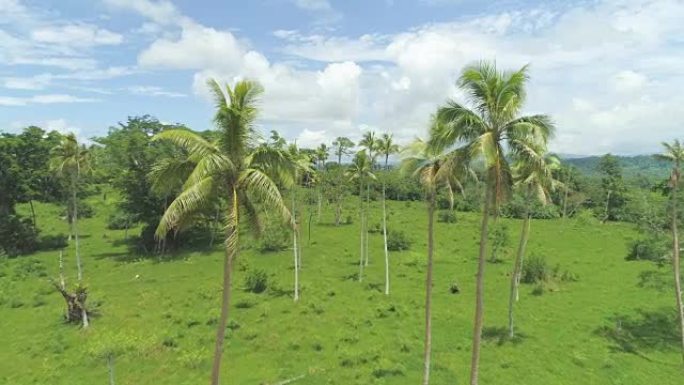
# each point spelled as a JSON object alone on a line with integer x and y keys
{"x": 74, "y": 225}
{"x": 296, "y": 249}
{"x": 230, "y": 254}
{"x": 517, "y": 270}
{"x": 320, "y": 206}
{"x": 62, "y": 283}
{"x": 338, "y": 212}
{"x": 367, "y": 210}
{"x": 33, "y": 215}
{"x": 361, "y": 224}
{"x": 479, "y": 291}
{"x": 428, "y": 291}
{"x": 606, "y": 215}
{"x": 384, "y": 236}
{"x": 565, "y": 201}
{"x": 675, "y": 258}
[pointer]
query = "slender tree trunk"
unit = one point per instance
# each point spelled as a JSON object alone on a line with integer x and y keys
{"x": 62, "y": 283}
{"x": 230, "y": 254}
{"x": 361, "y": 224}
{"x": 428, "y": 291}
{"x": 338, "y": 211}
{"x": 517, "y": 269}
{"x": 479, "y": 290}
{"x": 367, "y": 210}
{"x": 295, "y": 248}
{"x": 384, "y": 236}
{"x": 33, "y": 215}
{"x": 110, "y": 366}
{"x": 74, "y": 224}
{"x": 606, "y": 215}
{"x": 565, "y": 201}
{"x": 675, "y": 258}
{"x": 320, "y": 206}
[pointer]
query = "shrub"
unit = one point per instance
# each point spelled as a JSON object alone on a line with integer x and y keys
{"x": 274, "y": 238}
{"x": 650, "y": 248}
{"x": 535, "y": 270}
{"x": 53, "y": 242}
{"x": 398, "y": 241}
{"x": 446, "y": 216}
{"x": 119, "y": 221}
{"x": 256, "y": 281}
{"x": 17, "y": 235}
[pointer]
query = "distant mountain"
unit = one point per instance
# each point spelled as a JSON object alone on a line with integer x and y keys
{"x": 632, "y": 166}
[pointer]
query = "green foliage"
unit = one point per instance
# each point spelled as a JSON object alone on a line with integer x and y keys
{"x": 500, "y": 239}
{"x": 256, "y": 281}
{"x": 535, "y": 270}
{"x": 397, "y": 240}
{"x": 17, "y": 235}
{"x": 446, "y": 216}
{"x": 275, "y": 237}
{"x": 119, "y": 221}
{"x": 653, "y": 248}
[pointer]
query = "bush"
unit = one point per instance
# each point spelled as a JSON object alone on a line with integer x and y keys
{"x": 53, "y": 242}
{"x": 446, "y": 216}
{"x": 256, "y": 281}
{"x": 119, "y": 221}
{"x": 274, "y": 238}
{"x": 398, "y": 241}
{"x": 535, "y": 270}
{"x": 650, "y": 248}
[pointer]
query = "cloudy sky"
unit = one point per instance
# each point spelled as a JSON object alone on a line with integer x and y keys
{"x": 608, "y": 71}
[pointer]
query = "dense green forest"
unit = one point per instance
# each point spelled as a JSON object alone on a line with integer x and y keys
{"x": 158, "y": 253}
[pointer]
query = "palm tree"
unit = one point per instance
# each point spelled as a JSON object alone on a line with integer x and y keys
{"x": 360, "y": 170}
{"x": 386, "y": 147}
{"x": 497, "y": 98}
{"x": 321, "y": 156}
{"x": 534, "y": 178}
{"x": 300, "y": 162}
{"x": 434, "y": 170}
{"x": 370, "y": 143}
{"x": 675, "y": 153}
{"x": 234, "y": 168}
{"x": 71, "y": 160}
{"x": 342, "y": 145}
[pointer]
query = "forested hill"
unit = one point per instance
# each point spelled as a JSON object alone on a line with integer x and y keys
{"x": 632, "y": 166}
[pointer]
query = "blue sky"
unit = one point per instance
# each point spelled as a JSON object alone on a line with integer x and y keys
{"x": 607, "y": 71}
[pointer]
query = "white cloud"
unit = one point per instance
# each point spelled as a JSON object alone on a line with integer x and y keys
{"x": 161, "y": 12}
{"x": 13, "y": 101}
{"x": 76, "y": 35}
{"x": 154, "y": 91}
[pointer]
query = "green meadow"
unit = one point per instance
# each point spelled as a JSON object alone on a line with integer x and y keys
{"x": 611, "y": 322}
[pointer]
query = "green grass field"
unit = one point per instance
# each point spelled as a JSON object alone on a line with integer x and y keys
{"x": 614, "y": 325}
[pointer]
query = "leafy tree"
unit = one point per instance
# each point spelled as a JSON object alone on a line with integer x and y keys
{"x": 335, "y": 188}
{"x": 674, "y": 153}
{"x": 534, "y": 177}
{"x": 342, "y": 146}
{"x": 361, "y": 170}
{"x": 613, "y": 187}
{"x": 497, "y": 98}
{"x": 228, "y": 167}
{"x": 429, "y": 165}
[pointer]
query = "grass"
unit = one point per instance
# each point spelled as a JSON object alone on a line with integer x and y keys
{"x": 157, "y": 317}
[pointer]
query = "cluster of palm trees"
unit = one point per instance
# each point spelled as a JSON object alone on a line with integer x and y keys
{"x": 484, "y": 139}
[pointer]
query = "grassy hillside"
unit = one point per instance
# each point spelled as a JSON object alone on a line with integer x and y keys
{"x": 633, "y": 166}
{"x": 614, "y": 325}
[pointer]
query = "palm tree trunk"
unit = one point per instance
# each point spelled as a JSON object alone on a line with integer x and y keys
{"x": 110, "y": 366}
{"x": 517, "y": 269}
{"x": 428, "y": 291}
{"x": 33, "y": 215}
{"x": 361, "y": 224}
{"x": 320, "y": 205}
{"x": 295, "y": 248}
{"x": 366, "y": 219}
{"x": 74, "y": 225}
{"x": 565, "y": 201}
{"x": 384, "y": 236}
{"x": 479, "y": 290}
{"x": 230, "y": 254}
{"x": 675, "y": 259}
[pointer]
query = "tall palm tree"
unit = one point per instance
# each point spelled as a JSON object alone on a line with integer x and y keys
{"x": 360, "y": 170}
{"x": 492, "y": 124}
{"x": 370, "y": 143}
{"x": 535, "y": 179}
{"x": 234, "y": 168}
{"x": 321, "y": 156}
{"x": 300, "y": 164}
{"x": 434, "y": 170}
{"x": 70, "y": 161}
{"x": 386, "y": 147}
{"x": 675, "y": 153}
